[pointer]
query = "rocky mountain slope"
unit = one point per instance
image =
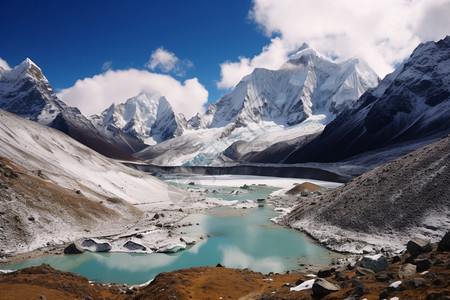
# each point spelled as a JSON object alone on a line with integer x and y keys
{"x": 55, "y": 190}
{"x": 147, "y": 117}
{"x": 269, "y": 106}
{"x": 409, "y": 105}
{"x": 25, "y": 91}
{"x": 407, "y": 195}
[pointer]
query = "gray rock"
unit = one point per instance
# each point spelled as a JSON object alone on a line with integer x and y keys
{"x": 406, "y": 270}
{"x": 444, "y": 244}
{"x": 130, "y": 245}
{"x": 417, "y": 282}
{"x": 364, "y": 271}
{"x": 375, "y": 263}
{"x": 358, "y": 284}
{"x": 96, "y": 247}
{"x": 321, "y": 287}
{"x": 324, "y": 273}
{"x": 382, "y": 278}
{"x": 438, "y": 261}
{"x": 422, "y": 264}
{"x": 73, "y": 248}
{"x": 417, "y": 246}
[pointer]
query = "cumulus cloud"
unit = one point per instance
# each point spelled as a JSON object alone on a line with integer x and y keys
{"x": 382, "y": 32}
{"x": 93, "y": 95}
{"x": 4, "y": 64}
{"x": 167, "y": 61}
{"x": 271, "y": 57}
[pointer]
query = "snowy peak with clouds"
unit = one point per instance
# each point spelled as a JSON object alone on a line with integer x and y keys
{"x": 410, "y": 104}
{"x": 306, "y": 85}
{"x": 25, "y": 91}
{"x": 147, "y": 117}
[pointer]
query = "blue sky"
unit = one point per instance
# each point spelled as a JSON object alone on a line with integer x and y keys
{"x": 101, "y": 51}
{"x": 72, "y": 40}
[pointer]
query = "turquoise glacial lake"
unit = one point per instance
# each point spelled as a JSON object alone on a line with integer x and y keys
{"x": 243, "y": 238}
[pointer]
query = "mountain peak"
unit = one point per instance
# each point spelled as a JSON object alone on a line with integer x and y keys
{"x": 26, "y": 67}
{"x": 306, "y": 53}
{"x": 303, "y": 47}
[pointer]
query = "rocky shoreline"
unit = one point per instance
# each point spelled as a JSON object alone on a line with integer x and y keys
{"x": 422, "y": 271}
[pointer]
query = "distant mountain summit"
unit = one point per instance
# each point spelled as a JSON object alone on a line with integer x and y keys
{"x": 25, "y": 91}
{"x": 147, "y": 117}
{"x": 307, "y": 84}
{"x": 409, "y": 105}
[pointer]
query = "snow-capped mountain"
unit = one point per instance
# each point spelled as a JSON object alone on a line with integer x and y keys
{"x": 308, "y": 84}
{"x": 25, "y": 91}
{"x": 269, "y": 106}
{"x": 409, "y": 105}
{"x": 148, "y": 117}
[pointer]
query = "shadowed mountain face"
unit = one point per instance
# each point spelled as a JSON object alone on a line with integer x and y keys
{"x": 26, "y": 92}
{"x": 411, "y": 104}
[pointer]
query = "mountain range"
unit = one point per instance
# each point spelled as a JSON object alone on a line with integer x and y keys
{"x": 311, "y": 109}
{"x": 25, "y": 91}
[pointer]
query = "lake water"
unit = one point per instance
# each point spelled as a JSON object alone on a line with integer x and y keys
{"x": 239, "y": 238}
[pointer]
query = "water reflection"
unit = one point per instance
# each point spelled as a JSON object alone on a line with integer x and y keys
{"x": 233, "y": 257}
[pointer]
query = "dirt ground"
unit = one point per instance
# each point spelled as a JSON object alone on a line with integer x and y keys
{"x": 43, "y": 282}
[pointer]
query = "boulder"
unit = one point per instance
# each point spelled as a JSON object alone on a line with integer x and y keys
{"x": 422, "y": 263}
{"x": 321, "y": 287}
{"x": 73, "y": 248}
{"x": 93, "y": 246}
{"x": 406, "y": 270}
{"x": 417, "y": 246}
{"x": 416, "y": 282}
{"x": 375, "y": 263}
{"x": 364, "y": 271}
{"x": 324, "y": 273}
{"x": 444, "y": 244}
{"x": 130, "y": 245}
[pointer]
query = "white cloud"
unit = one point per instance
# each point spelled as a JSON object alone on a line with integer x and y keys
{"x": 93, "y": 95}
{"x": 167, "y": 61}
{"x": 271, "y": 57}
{"x": 382, "y": 32}
{"x": 4, "y": 64}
